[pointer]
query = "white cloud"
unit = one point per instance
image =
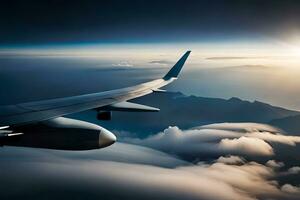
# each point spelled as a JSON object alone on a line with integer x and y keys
{"x": 294, "y": 170}
{"x": 92, "y": 177}
{"x": 130, "y": 171}
{"x": 242, "y": 127}
{"x": 119, "y": 152}
{"x": 277, "y": 138}
{"x": 231, "y": 160}
{"x": 251, "y": 178}
{"x": 274, "y": 164}
{"x": 219, "y": 139}
{"x": 288, "y": 188}
{"x": 247, "y": 146}
{"x": 123, "y": 64}
{"x": 161, "y": 62}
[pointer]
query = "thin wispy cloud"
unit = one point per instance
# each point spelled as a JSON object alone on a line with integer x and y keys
{"x": 123, "y": 64}
{"x": 161, "y": 62}
{"x": 234, "y": 57}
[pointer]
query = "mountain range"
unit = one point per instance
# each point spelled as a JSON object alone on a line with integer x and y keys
{"x": 177, "y": 109}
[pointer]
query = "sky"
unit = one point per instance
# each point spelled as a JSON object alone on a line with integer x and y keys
{"x": 267, "y": 72}
{"x": 54, "y": 21}
{"x": 247, "y": 49}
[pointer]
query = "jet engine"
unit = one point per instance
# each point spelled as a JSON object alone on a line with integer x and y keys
{"x": 62, "y": 134}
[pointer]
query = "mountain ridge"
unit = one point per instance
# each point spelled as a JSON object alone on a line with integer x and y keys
{"x": 185, "y": 111}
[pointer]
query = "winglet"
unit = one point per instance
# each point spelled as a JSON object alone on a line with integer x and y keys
{"x": 174, "y": 71}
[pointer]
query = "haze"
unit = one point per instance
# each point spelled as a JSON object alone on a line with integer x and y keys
{"x": 263, "y": 71}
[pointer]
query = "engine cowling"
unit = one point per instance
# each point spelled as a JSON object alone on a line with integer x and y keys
{"x": 63, "y": 134}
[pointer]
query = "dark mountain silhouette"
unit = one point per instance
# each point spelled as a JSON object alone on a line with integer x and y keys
{"x": 290, "y": 124}
{"x": 188, "y": 111}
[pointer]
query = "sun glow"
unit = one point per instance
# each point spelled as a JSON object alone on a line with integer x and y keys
{"x": 295, "y": 51}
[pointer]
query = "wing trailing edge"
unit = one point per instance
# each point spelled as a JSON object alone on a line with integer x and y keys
{"x": 130, "y": 107}
{"x": 37, "y": 111}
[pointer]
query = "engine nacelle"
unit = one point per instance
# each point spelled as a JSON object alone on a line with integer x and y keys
{"x": 63, "y": 134}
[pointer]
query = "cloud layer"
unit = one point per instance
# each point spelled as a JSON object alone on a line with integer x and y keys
{"x": 246, "y": 139}
{"x": 133, "y": 171}
{"x": 113, "y": 179}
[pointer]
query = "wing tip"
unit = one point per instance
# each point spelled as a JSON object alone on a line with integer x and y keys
{"x": 175, "y": 70}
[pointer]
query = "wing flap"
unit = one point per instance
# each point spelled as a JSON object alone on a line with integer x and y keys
{"x": 130, "y": 107}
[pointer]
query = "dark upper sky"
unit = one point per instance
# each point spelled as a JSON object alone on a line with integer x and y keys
{"x": 57, "y": 21}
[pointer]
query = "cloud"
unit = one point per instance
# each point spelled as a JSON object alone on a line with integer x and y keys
{"x": 245, "y": 139}
{"x": 274, "y": 164}
{"x": 231, "y": 160}
{"x": 161, "y": 62}
{"x": 294, "y": 170}
{"x": 123, "y": 64}
{"x": 251, "y": 178}
{"x": 112, "y": 180}
{"x": 245, "y": 145}
{"x": 232, "y": 57}
{"x": 84, "y": 175}
{"x": 262, "y": 131}
{"x": 132, "y": 171}
{"x": 242, "y": 127}
{"x": 119, "y": 152}
{"x": 277, "y": 138}
{"x": 288, "y": 188}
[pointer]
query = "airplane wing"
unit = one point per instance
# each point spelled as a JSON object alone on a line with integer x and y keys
{"x": 32, "y": 112}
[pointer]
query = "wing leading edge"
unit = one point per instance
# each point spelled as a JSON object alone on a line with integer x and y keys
{"x": 32, "y": 112}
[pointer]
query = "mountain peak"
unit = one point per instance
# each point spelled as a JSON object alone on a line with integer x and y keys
{"x": 235, "y": 99}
